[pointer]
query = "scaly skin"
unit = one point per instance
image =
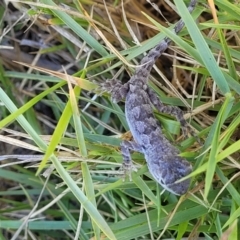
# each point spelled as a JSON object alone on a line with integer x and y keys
{"x": 163, "y": 160}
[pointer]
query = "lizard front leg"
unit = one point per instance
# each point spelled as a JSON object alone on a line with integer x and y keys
{"x": 127, "y": 165}
{"x": 117, "y": 90}
{"x": 171, "y": 110}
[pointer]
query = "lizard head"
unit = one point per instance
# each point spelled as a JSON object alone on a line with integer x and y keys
{"x": 168, "y": 173}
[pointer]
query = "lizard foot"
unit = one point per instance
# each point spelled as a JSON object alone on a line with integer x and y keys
{"x": 186, "y": 129}
{"x": 127, "y": 169}
{"x": 117, "y": 90}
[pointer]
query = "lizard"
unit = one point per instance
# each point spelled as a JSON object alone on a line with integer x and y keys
{"x": 163, "y": 160}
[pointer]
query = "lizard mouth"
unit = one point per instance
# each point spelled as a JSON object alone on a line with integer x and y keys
{"x": 168, "y": 174}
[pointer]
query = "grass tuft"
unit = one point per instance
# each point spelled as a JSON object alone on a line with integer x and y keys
{"x": 59, "y": 139}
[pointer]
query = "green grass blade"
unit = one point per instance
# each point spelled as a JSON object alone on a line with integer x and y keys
{"x": 76, "y": 28}
{"x": 222, "y": 115}
{"x": 144, "y": 188}
{"x": 77, "y": 120}
{"x": 89, "y": 188}
{"x": 88, "y": 206}
{"x": 202, "y": 47}
{"x": 15, "y": 113}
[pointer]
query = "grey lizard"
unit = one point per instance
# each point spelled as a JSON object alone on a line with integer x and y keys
{"x": 163, "y": 160}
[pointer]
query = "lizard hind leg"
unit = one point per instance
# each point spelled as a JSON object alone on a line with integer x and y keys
{"x": 115, "y": 87}
{"x": 171, "y": 110}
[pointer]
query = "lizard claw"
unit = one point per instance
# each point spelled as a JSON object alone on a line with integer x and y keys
{"x": 187, "y": 129}
{"x": 127, "y": 169}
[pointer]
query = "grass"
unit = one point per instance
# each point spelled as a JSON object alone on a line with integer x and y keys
{"x": 60, "y": 154}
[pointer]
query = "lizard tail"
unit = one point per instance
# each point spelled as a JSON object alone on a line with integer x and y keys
{"x": 148, "y": 61}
